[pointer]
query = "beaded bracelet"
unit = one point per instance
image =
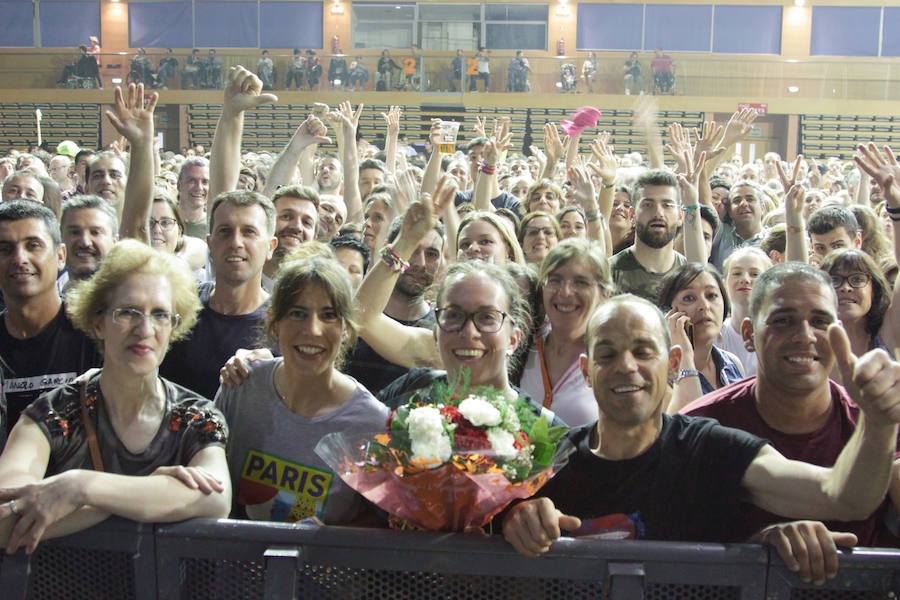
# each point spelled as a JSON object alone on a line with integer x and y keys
{"x": 891, "y": 211}
{"x": 487, "y": 169}
{"x": 393, "y": 260}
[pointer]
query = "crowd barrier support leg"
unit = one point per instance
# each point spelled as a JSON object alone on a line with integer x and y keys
{"x": 282, "y": 568}
{"x": 625, "y": 580}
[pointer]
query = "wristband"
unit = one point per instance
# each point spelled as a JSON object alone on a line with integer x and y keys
{"x": 393, "y": 260}
{"x": 893, "y": 218}
{"x": 606, "y": 186}
{"x": 487, "y": 169}
{"x": 794, "y": 229}
{"x": 685, "y": 373}
{"x": 891, "y": 211}
{"x": 688, "y": 208}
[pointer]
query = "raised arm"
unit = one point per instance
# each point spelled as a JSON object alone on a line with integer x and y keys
{"x": 134, "y": 121}
{"x": 243, "y": 91}
{"x": 310, "y": 133}
{"x": 397, "y": 343}
{"x": 883, "y": 168}
{"x": 694, "y": 248}
{"x": 432, "y": 173}
{"x": 645, "y": 119}
{"x": 486, "y": 184}
{"x": 795, "y": 242}
{"x": 554, "y": 147}
{"x": 350, "y": 160}
{"x": 856, "y": 484}
{"x": 392, "y": 120}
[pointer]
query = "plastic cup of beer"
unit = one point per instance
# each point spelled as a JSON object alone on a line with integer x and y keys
{"x": 449, "y": 129}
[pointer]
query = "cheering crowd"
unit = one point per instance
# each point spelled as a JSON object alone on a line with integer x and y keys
{"x": 180, "y": 330}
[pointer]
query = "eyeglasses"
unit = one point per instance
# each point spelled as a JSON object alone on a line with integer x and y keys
{"x": 554, "y": 283}
{"x": 166, "y": 223}
{"x": 533, "y": 231}
{"x": 132, "y": 317}
{"x": 856, "y": 280}
{"x": 486, "y": 320}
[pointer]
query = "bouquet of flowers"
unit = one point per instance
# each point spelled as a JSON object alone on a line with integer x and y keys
{"x": 452, "y": 458}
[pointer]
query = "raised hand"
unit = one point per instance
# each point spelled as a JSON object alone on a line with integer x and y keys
{"x": 585, "y": 194}
{"x": 873, "y": 379}
{"x": 604, "y": 163}
{"x": 553, "y": 144}
{"x": 793, "y": 206}
{"x": 243, "y": 91}
{"x": 349, "y": 120}
{"x": 392, "y": 119}
{"x": 708, "y": 137}
{"x": 788, "y": 182}
{"x": 687, "y": 180}
{"x": 883, "y": 168}
{"x": 312, "y": 131}
{"x": 680, "y": 144}
{"x": 739, "y": 126}
{"x": 422, "y": 214}
{"x": 130, "y": 117}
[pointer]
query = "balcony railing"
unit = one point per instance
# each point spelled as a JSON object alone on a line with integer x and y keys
{"x": 241, "y": 559}
{"x": 433, "y": 75}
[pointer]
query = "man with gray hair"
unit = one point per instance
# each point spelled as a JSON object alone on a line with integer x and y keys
{"x": 22, "y": 185}
{"x": 89, "y": 227}
{"x": 193, "y": 189}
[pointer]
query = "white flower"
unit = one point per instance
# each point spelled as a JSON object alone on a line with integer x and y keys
{"x": 479, "y": 411}
{"x": 502, "y": 443}
{"x": 426, "y": 433}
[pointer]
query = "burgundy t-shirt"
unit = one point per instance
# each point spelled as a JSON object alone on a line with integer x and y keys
{"x": 735, "y": 406}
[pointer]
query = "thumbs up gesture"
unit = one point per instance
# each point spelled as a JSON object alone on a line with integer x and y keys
{"x": 873, "y": 379}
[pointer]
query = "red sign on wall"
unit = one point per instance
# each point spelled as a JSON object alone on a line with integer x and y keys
{"x": 759, "y": 108}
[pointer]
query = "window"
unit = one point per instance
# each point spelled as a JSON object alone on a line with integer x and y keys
{"x": 388, "y": 25}
{"x": 449, "y": 26}
{"x": 516, "y": 26}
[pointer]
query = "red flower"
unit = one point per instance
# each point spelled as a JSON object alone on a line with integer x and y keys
{"x": 521, "y": 440}
{"x": 469, "y": 437}
{"x": 452, "y": 414}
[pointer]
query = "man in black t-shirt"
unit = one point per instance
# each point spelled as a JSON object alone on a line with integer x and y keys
{"x": 637, "y": 472}
{"x": 39, "y": 347}
{"x": 241, "y": 240}
{"x": 406, "y": 304}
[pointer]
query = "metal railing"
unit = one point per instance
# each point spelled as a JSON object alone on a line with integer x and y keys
{"x": 433, "y": 74}
{"x": 228, "y": 559}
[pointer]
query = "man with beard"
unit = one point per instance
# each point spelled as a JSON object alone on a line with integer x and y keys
{"x": 329, "y": 175}
{"x": 656, "y": 213}
{"x": 89, "y": 229}
{"x": 296, "y": 217}
{"x": 406, "y": 305}
{"x": 742, "y": 225}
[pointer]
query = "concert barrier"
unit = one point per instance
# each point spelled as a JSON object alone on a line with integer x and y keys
{"x": 225, "y": 559}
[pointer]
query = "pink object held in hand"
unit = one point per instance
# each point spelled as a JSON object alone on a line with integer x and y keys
{"x": 584, "y": 117}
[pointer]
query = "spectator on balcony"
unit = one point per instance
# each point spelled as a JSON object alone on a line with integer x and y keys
{"x": 589, "y": 71}
{"x": 94, "y": 51}
{"x": 359, "y": 74}
{"x": 649, "y": 472}
{"x": 212, "y": 72}
{"x": 192, "y": 71}
{"x": 483, "y": 70}
{"x": 385, "y": 72}
{"x": 338, "y": 75}
{"x": 663, "y": 72}
{"x": 313, "y": 69}
{"x": 265, "y": 70}
{"x": 518, "y": 73}
{"x": 122, "y": 440}
{"x": 633, "y": 76}
{"x": 457, "y": 66}
{"x": 168, "y": 64}
{"x": 296, "y": 70}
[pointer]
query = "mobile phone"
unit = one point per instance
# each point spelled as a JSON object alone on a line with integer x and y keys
{"x": 690, "y": 333}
